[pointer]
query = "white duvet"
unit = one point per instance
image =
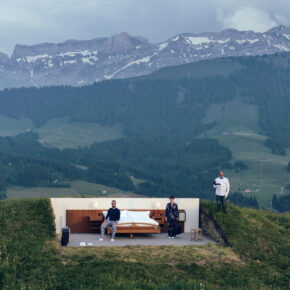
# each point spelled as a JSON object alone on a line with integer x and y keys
{"x": 140, "y": 218}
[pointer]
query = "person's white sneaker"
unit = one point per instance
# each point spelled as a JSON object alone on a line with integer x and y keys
{"x": 169, "y": 237}
{"x": 101, "y": 239}
{"x": 172, "y": 237}
{"x": 112, "y": 240}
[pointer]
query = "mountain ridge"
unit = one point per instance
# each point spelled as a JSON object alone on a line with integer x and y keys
{"x": 78, "y": 63}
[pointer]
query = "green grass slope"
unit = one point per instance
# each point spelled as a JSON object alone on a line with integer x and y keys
{"x": 60, "y": 133}
{"x": 11, "y": 126}
{"x": 32, "y": 259}
{"x": 236, "y": 126}
{"x": 262, "y": 239}
{"x": 78, "y": 188}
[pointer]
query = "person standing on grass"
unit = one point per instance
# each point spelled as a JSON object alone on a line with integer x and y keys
{"x": 171, "y": 216}
{"x": 222, "y": 189}
{"x": 111, "y": 220}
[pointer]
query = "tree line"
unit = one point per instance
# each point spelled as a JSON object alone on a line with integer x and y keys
{"x": 281, "y": 203}
{"x": 163, "y": 165}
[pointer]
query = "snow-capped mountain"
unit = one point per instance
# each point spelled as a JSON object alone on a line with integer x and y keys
{"x": 120, "y": 56}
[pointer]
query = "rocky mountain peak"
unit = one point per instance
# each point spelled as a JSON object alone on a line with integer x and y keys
{"x": 279, "y": 29}
{"x": 124, "y": 41}
{"x": 122, "y": 55}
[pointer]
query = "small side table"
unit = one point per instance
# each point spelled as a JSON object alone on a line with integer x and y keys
{"x": 95, "y": 223}
{"x": 196, "y": 234}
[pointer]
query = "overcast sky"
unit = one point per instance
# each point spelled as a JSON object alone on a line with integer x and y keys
{"x": 35, "y": 21}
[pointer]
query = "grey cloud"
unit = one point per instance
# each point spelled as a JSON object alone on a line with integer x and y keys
{"x": 34, "y": 21}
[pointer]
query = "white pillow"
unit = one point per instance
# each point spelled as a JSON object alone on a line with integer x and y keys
{"x": 139, "y": 214}
{"x": 123, "y": 216}
{"x": 141, "y": 217}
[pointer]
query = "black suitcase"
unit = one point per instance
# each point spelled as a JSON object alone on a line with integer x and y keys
{"x": 177, "y": 229}
{"x": 64, "y": 236}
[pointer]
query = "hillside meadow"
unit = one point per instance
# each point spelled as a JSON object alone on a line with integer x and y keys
{"x": 238, "y": 129}
{"x": 31, "y": 257}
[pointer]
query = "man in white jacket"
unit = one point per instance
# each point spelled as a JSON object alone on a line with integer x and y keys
{"x": 222, "y": 189}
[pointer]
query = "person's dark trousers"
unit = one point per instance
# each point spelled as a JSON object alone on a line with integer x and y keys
{"x": 221, "y": 202}
{"x": 171, "y": 228}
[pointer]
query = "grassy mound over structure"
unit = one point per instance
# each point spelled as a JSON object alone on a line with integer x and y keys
{"x": 261, "y": 239}
{"x": 31, "y": 257}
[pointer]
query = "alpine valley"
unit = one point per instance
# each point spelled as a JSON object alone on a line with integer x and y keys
{"x": 166, "y": 132}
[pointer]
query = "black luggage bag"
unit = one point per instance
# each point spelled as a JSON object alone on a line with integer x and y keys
{"x": 64, "y": 236}
{"x": 177, "y": 229}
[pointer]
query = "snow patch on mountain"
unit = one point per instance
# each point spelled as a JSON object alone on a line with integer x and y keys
{"x": 69, "y": 61}
{"x": 196, "y": 40}
{"x": 163, "y": 45}
{"x": 282, "y": 47}
{"x": 175, "y": 38}
{"x": 34, "y": 58}
{"x": 138, "y": 61}
{"x": 120, "y": 56}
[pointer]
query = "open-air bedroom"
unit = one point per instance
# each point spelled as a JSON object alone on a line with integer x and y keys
{"x": 142, "y": 221}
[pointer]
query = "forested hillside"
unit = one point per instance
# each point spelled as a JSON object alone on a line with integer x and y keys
{"x": 164, "y": 146}
{"x": 161, "y": 165}
{"x": 161, "y": 106}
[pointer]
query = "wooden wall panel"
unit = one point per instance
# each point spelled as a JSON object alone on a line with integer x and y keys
{"x": 78, "y": 220}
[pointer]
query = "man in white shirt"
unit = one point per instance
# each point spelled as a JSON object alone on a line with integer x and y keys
{"x": 222, "y": 189}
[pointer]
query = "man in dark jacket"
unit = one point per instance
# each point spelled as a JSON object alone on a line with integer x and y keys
{"x": 111, "y": 220}
{"x": 172, "y": 216}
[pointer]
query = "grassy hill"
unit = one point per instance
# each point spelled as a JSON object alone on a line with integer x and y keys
{"x": 60, "y": 133}
{"x": 31, "y": 257}
{"x": 237, "y": 127}
{"x": 77, "y": 188}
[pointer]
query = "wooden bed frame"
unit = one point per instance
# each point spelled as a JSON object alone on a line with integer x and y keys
{"x": 136, "y": 229}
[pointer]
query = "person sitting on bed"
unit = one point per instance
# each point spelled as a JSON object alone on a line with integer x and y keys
{"x": 111, "y": 220}
{"x": 171, "y": 216}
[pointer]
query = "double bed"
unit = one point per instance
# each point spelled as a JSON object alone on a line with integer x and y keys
{"x": 136, "y": 222}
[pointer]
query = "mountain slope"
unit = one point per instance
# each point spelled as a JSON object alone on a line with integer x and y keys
{"x": 174, "y": 100}
{"x": 121, "y": 56}
{"x": 243, "y": 102}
